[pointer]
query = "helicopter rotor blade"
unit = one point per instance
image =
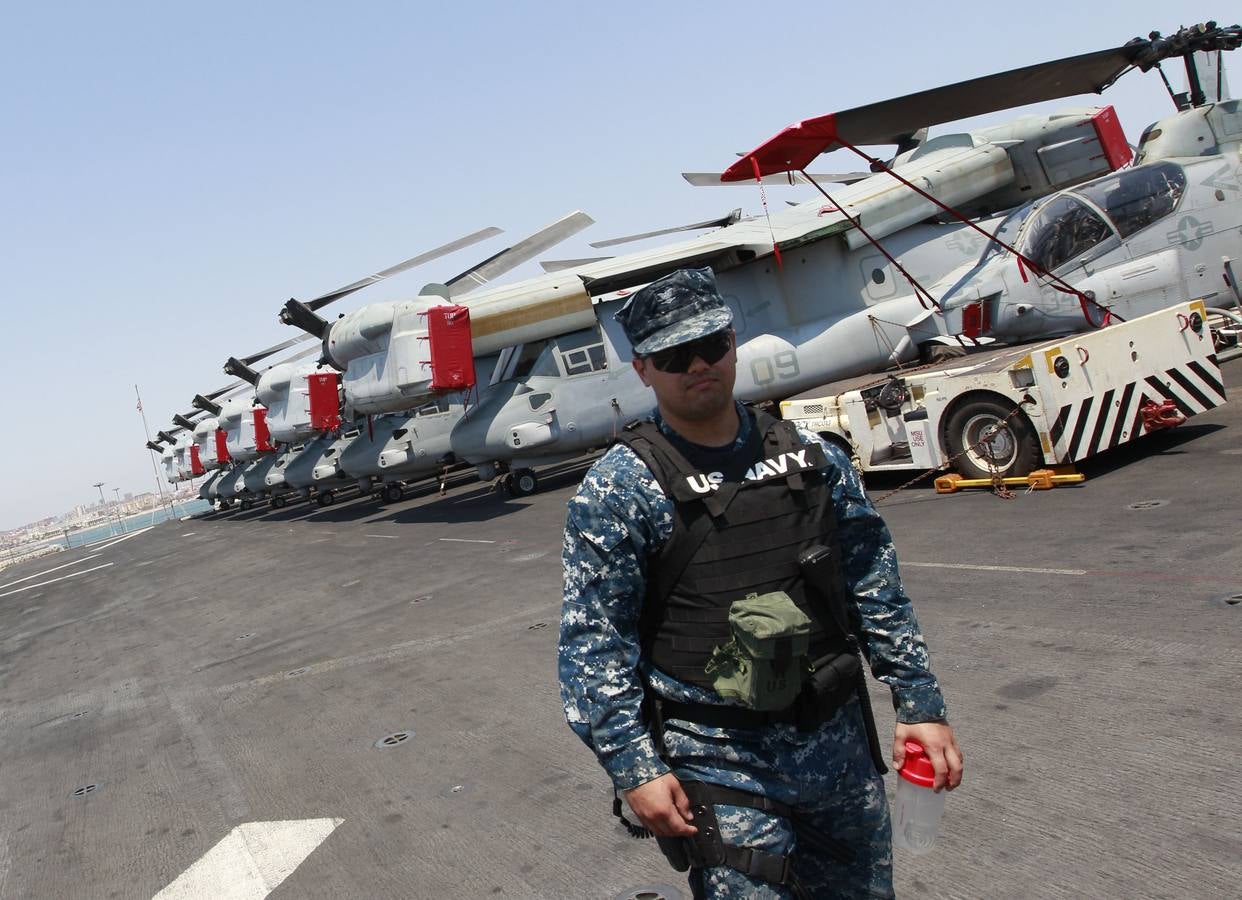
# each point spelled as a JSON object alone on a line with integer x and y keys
{"x": 712, "y": 179}
{"x": 722, "y": 222}
{"x": 896, "y": 121}
{"x": 443, "y": 250}
{"x": 560, "y": 265}
{"x": 892, "y": 121}
{"x": 275, "y": 348}
{"x": 527, "y": 249}
{"x": 228, "y": 389}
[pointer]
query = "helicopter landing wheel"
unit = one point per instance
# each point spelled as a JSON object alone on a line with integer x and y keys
{"x": 392, "y": 493}
{"x": 523, "y": 483}
{"x": 277, "y": 502}
{"x": 325, "y": 498}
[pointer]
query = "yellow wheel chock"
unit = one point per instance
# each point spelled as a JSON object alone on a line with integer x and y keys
{"x": 1039, "y": 480}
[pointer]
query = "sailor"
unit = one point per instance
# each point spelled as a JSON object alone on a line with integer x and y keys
{"x": 724, "y": 576}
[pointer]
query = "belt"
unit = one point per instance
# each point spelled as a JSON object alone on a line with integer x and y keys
{"x": 715, "y": 716}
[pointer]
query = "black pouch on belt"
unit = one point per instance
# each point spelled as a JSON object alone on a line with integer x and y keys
{"x": 833, "y": 680}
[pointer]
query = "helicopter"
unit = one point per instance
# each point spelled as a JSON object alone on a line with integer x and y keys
{"x": 309, "y": 400}
{"x": 1145, "y": 236}
{"x": 1166, "y": 230}
{"x": 403, "y": 447}
{"x": 809, "y": 301}
{"x": 538, "y": 419}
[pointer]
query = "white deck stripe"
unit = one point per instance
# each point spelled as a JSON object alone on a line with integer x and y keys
{"x": 49, "y": 571}
{"x": 116, "y": 540}
{"x": 387, "y": 537}
{"x": 932, "y": 565}
{"x": 466, "y": 541}
{"x": 250, "y": 861}
{"x": 31, "y": 587}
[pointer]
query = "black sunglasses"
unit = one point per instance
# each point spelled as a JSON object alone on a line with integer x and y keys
{"x": 676, "y": 360}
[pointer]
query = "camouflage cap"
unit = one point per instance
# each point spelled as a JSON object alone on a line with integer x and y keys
{"x": 680, "y": 307}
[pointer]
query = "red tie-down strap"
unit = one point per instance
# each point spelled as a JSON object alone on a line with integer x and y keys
{"x": 1161, "y": 415}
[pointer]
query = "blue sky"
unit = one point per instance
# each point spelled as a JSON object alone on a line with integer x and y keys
{"x": 172, "y": 173}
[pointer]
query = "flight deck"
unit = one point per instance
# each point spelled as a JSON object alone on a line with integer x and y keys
{"x": 361, "y": 700}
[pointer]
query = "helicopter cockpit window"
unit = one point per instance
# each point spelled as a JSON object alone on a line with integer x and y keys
{"x": 537, "y": 401}
{"x": 527, "y": 358}
{"x": 545, "y": 364}
{"x": 1061, "y": 230}
{"x": 1135, "y": 198}
{"x": 582, "y": 352}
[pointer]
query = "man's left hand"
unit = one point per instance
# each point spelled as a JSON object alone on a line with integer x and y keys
{"x": 940, "y": 745}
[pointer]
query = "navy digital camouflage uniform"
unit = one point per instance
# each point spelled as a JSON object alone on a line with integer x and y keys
{"x": 619, "y": 517}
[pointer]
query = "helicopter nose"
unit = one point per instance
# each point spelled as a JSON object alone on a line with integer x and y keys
{"x": 469, "y": 438}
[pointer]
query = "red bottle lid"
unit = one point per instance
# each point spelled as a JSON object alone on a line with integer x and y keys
{"x": 917, "y": 768}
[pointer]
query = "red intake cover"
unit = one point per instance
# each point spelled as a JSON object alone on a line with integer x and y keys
{"x": 222, "y": 449}
{"x": 325, "y": 401}
{"x": 452, "y": 353}
{"x": 196, "y": 464}
{"x": 262, "y": 437}
{"x": 1112, "y": 139}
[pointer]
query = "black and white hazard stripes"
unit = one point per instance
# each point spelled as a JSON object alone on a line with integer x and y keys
{"x": 1097, "y": 423}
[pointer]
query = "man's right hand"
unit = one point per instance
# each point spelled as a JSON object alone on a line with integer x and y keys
{"x": 662, "y": 806}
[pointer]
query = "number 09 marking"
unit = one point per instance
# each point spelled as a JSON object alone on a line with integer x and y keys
{"x": 780, "y": 366}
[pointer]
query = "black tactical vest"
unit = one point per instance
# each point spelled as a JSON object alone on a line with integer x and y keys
{"x": 735, "y": 531}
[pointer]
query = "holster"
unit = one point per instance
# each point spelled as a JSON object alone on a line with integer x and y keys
{"x": 704, "y": 849}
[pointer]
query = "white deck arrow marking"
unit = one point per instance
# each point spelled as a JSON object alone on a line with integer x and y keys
{"x": 250, "y": 861}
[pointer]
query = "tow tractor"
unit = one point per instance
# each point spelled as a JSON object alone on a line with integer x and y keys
{"x": 1006, "y": 413}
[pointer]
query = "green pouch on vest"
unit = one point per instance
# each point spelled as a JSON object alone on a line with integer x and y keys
{"x": 764, "y": 664}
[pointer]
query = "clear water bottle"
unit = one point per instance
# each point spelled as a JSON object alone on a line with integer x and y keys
{"x": 916, "y": 808}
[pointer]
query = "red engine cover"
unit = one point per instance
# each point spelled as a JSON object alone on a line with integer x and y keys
{"x": 262, "y": 437}
{"x": 1112, "y": 139}
{"x": 325, "y": 401}
{"x": 196, "y": 464}
{"x": 222, "y": 448}
{"x": 452, "y": 353}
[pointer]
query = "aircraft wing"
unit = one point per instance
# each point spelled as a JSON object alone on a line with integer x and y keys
{"x": 889, "y": 121}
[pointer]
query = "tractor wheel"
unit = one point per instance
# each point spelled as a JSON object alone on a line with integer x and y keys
{"x": 983, "y": 438}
